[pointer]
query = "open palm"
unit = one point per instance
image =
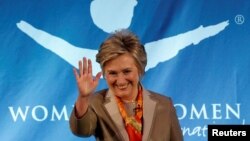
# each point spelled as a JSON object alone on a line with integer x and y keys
{"x": 85, "y": 80}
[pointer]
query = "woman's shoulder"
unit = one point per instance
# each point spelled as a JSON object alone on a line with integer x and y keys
{"x": 98, "y": 98}
{"x": 163, "y": 101}
{"x": 158, "y": 96}
{"x": 100, "y": 94}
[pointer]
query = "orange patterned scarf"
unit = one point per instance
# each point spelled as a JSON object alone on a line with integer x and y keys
{"x": 133, "y": 124}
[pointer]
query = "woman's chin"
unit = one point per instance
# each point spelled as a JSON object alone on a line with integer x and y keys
{"x": 121, "y": 93}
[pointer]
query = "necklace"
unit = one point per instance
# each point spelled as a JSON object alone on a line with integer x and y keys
{"x": 130, "y": 108}
{"x": 134, "y": 121}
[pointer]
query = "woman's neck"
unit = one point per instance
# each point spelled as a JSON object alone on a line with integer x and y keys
{"x": 131, "y": 98}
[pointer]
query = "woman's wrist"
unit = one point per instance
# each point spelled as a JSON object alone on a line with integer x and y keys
{"x": 81, "y": 105}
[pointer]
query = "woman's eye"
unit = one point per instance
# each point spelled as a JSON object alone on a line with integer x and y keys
{"x": 112, "y": 73}
{"x": 127, "y": 71}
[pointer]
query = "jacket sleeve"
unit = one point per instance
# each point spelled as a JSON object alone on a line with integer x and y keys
{"x": 84, "y": 126}
{"x": 176, "y": 132}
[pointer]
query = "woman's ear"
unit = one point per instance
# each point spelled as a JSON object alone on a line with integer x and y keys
{"x": 140, "y": 76}
{"x": 103, "y": 74}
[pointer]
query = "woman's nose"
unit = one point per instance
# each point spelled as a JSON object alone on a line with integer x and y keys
{"x": 121, "y": 79}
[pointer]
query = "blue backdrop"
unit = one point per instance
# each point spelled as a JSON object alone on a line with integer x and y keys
{"x": 198, "y": 54}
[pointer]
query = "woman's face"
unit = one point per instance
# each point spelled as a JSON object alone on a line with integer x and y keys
{"x": 122, "y": 76}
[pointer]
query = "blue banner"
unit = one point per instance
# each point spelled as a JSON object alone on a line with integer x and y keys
{"x": 198, "y": 54}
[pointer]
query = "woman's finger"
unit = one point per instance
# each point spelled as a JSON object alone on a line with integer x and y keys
{"x": 97, "y": 78}
{"x": 80, "y": 68}
{"x": 76, "y": 74}
{"x": 89, "y": 67}
{"x": 85, "y": 65}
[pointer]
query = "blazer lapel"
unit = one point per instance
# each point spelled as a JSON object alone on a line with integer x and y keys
{"x": 148, "y": 114}
{"x": 114, "y": 113}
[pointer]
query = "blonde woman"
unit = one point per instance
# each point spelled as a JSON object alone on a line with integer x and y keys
{"x": 125, "y": 111}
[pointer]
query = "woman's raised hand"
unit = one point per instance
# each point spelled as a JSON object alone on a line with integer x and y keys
{"x": 85, "y": 81}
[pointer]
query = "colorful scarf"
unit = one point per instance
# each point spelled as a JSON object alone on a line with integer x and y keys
{"x": 133, "y": 124}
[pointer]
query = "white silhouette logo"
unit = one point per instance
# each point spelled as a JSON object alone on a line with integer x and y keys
{"x": 102, "y": 11}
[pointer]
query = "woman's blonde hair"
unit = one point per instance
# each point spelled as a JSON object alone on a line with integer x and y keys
{"x": 121, "y": 42}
